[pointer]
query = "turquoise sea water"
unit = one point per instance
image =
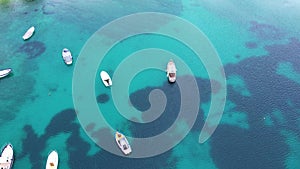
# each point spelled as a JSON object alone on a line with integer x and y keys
{"x": 258, "y": 44}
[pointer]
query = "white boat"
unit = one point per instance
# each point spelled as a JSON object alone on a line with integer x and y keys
{"x": 52, "y": 161}
{"x": 123, "y": 143}
{"x": 29, "y": 33}
{"x": 5, "y": 72}
{"x": 171, "y": 71}
{"x": 67, "y": 56}
{"x": 7, "y": 157}
{"x": 105, "y": 78}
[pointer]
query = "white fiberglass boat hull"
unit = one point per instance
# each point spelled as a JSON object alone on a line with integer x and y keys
{"x": 7, "y": 157}
{"x": 123, "y": 143}
{"x": 105, "y": 78}
{"x": 5, "y": 72}
{"x": 171, "y": 71}
{"x": 67, "y": 56}
{"x": 52, "y": 160}
{"x": 28, "y": 33}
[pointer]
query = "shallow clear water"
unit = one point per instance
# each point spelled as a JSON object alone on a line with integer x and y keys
{"x": 258, "y": 44}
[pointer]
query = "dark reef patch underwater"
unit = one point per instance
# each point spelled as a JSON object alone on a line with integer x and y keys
{"x": 234, "y": 148}
{"x": 65, "y": 122}
{"x": 266, "y": 31}
{"x": 261, "y": 146}
{"x": 9, "y": 87}
{"x": 32, "y": 49}
{"x": 102, "y": 98}
{"x": 49, "y": 8}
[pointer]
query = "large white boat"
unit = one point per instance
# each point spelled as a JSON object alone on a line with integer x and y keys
{"x": 67, "y": 56}
{"x": 123, "y": 143}
{"x": 52, "y": 161}
{"x": 5, "y": 72}
{"x": 7, "y": 157}
{"x": 171, "y": 71}
{"x": 29, "y": 33}
{"x": 105, "y": 78}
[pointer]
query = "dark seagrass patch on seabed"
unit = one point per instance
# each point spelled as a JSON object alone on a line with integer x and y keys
{"x": 266, "y": 31}
{"x": 34, "y": 147}
{"x": 90, "y": 127}
{"x": 252, "y": 149}
{"x": 10, "y": 101}
{"x": 251, "y": 45}
{"x": 258, "y": 146}
{"x": 32, "y": 49}
{"x": 102, "y": 98}
{"x": 48, "y": 9}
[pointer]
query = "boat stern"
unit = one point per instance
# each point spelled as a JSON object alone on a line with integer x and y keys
{"x": 127, "y": 151}
{"x": 69, "y": 62}
{"x": 172, "y": 80}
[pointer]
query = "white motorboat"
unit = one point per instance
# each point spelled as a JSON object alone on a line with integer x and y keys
{"x": 5, "y": 72}
{"x": 7, "y": 157}
{"x": 52, "y": 160}
{"x": 171, "y": 71}
{"x": 29, "y": 33}
{"x": 123, "y": 143}
{"x": 67, "y": 56}
{"x": 105, "y": 78}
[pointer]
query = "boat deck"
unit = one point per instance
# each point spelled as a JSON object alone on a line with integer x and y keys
{"x": 5, "y": 164}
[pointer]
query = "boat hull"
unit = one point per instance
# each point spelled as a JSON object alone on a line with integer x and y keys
{"x": 121, "y": 138}
{"x": 171, "y": 71}
{"x": 106, "y": 80}
{"x": 52, "y": 160}
{"x": 7, "y": 157}
{"x": 67, "y": 56}
{"x": 29, "y": 33}
{"x": 5, "y": 72}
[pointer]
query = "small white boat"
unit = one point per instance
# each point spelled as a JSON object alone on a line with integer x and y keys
{"x": 29, "y": 33}
{"x": 105, "y": 78}
{"x": 123, "y": 143}
{"x": 7, "y": 157}
{"x": 5, "y": 72}
{"x": 67, "y": 56}
{"x": 52, "y": 161}
{"x": 171, "y": 71}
